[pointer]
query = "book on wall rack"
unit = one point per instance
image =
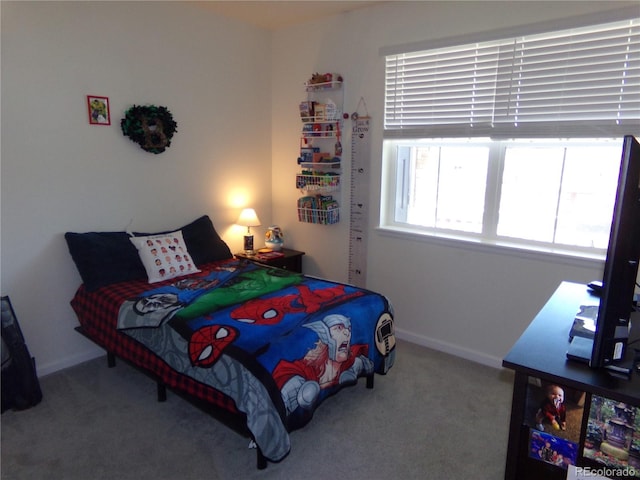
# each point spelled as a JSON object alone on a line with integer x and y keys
{"x": 318, "y": 209}
{"x": 306, "y": 209}
{"x": 307, "y": 111}
{"x": 319, "y": 112}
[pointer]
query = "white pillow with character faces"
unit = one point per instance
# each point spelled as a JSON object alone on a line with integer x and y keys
{"x": 164, "y": 256}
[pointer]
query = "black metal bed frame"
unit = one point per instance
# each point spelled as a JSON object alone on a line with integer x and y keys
{"x": 235, "y": 421}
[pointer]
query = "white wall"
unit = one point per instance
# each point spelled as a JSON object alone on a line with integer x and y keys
{"x": 59, "y": 173}
{"x": 471, "y": 302}
{"x": 234, "y": 91}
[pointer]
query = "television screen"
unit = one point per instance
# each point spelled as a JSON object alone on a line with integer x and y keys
{"x": 621, "y": 265}
{"x": 612, "y": 323}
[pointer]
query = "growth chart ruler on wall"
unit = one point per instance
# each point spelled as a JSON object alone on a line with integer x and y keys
{"x": 359, "y": 217}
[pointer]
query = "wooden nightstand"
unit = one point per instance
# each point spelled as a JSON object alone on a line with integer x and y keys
{"x": 292, "y": 260}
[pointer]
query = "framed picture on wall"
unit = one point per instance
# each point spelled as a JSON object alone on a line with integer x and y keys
{"x": 98, "y": 110}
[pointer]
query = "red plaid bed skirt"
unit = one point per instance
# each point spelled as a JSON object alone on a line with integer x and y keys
{"x": 97, "y": 313}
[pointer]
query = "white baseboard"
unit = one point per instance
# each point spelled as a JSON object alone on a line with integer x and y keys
{"x": 421, "y": 340}
{"x": 450, "y": 348}
{"x": 67, "y": 362}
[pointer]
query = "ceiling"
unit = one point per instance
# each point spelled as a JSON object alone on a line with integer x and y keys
{"x": 273, "y": 15}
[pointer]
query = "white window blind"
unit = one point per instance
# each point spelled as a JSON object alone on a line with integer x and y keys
{"x": 582, "y": 82}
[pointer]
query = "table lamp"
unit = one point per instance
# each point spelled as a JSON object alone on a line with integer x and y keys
{"x": 248, "y": 218}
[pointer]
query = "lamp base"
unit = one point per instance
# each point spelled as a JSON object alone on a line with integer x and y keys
{"x": 248, "y": 245}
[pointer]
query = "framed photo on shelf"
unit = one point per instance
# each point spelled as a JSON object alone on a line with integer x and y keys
{"x": 98, "y": 110}
{"x": 551, "y": 449}
{"x": 555, "y": 414}
{"x": 612, "y": 438}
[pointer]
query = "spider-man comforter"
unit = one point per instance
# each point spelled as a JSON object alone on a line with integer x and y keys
{"x": 276, "y": 342}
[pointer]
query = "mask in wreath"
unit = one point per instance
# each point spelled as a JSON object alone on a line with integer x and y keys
{"x": 151, "y": 127}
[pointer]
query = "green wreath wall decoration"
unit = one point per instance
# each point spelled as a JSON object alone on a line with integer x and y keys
{"x": 151, "y": 127}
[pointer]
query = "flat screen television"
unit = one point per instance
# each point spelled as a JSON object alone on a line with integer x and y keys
{"x": 620, "y": 271}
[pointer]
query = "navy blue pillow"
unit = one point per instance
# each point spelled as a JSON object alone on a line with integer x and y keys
{"x": 203, "y": 242}
{"x": 103, "y": 258}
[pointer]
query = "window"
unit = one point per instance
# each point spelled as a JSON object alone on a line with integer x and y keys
{"x": 440, "y": 185}
{"x": 553, "y": 193}
{"x": 559, "y": 195}
{"x": 513, "y": 139}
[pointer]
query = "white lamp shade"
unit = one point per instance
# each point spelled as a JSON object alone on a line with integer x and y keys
{"x": 248, "y": 218}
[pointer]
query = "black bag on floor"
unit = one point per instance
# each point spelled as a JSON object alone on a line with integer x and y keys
{"x": 20, "y": 384}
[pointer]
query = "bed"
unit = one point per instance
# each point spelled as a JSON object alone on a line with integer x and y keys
{"x": 263, "y": 345}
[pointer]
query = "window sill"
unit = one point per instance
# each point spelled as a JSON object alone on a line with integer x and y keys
{"x": 551, "y": 255}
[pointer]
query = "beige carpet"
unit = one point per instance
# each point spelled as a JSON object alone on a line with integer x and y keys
{"x": 432, "y": 417}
